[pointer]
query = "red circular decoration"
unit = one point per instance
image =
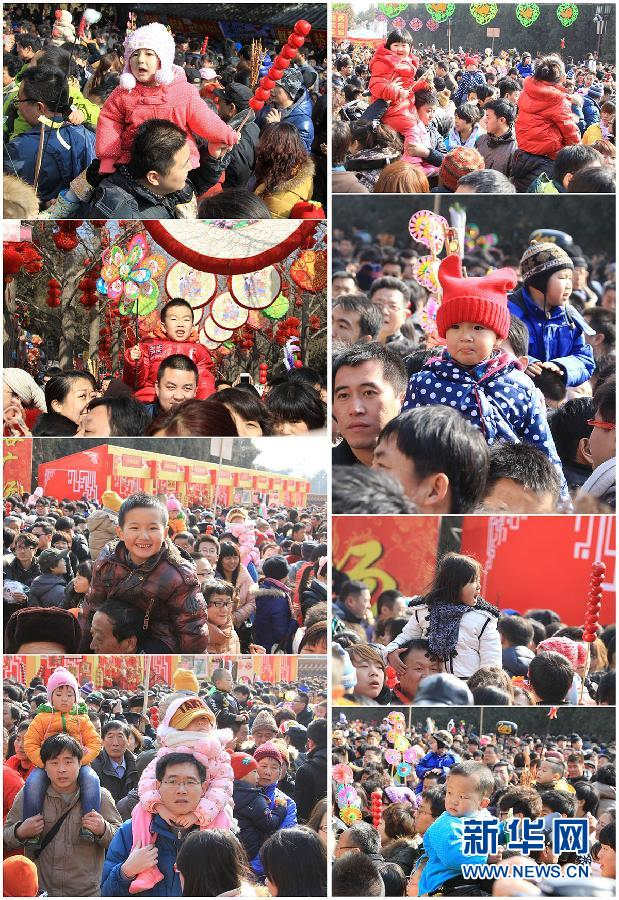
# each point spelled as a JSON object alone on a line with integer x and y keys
{"x": 302, "y": 27}
{"x": 256, "y": 104}
{"x": 282, "y": 62}
{"x": 275, "y": 73}
{"x": 262, "y": 94}
{"x": 295, "y": 40}
{"x": 228, "y": 266}
{"x": 288, "y": 52}
{"x": 267, "y": 83}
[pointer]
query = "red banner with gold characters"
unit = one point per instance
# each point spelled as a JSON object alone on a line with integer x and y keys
{"x": 543, "y": 561}
{"x": 339, "y": 25}
{"x": 386, "y": 552}
{"x": 17, "y": 465}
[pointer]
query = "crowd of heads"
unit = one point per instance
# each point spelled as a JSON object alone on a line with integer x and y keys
{"x": 408, "y": 437}
{"x": 451, "y": 647}
{"x": 234, "y": 579}
{"x": 272, "y": 745}
{"x": 454, "y": 772}
{"x": 166, "y": 385}
{"x": 207, "y": 155}
{"x": 411, "y": 121}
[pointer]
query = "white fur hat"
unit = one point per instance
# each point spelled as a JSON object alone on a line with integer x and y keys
{"x": 157, "y": 38}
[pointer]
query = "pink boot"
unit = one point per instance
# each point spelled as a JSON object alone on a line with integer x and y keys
{"x": 145, "y": 880}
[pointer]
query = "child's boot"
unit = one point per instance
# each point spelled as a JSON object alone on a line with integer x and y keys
{"x": 146, "y": 880}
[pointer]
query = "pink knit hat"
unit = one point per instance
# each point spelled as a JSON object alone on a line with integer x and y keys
{"x": 157, "y": 38}
{"x": 59, "y": 677}
{"x": 574, "y": 651}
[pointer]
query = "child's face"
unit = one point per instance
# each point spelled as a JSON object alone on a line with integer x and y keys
{"x": 559, "y": 287}
{"x": 143, "y": 533}
{"x": 469, "y": 343}
{"x": 462, "y": 797}
{"x": 607, "y": 118}
{"x": 202, "y": 725}
{"x": 401, "y": 48}
{"x": 224, "y": 684}
{"x": 460, "y": 125}
{"x": 426, "y": 113}
{"x": 370, "y": 678}
{"x": 63, "y": 698}
{"x": 251, "y": 777}
{"x": 470, "y": 592}
{"x": 178, "y": 323}
{"x": 143, "y": 64}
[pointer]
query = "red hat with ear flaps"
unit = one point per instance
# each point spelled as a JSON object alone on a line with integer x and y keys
{"x": 479, "y": 300}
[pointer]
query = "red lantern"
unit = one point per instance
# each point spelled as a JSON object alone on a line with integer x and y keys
{"x": 288, "y": 52}
{"x": 282, "y": 62}
{"x": 262, "y": 94}
{"x": 256, "y": 104}
{"x": 267, "y": 83}
{"x": 296, "y": 40}
{"x": 302, "y": 27}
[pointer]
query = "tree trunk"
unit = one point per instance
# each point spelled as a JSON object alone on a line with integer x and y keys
{"x": 72, "y": 272}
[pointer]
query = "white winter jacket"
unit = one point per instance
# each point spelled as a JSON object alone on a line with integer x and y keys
{"x": 479, "y": 643}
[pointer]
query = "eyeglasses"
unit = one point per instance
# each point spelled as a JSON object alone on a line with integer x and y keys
{"x": 186, "y": 783}
{"x": 220, "y": 604}
{"x": 606, "y": 426}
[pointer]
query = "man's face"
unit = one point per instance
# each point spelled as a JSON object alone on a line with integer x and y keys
{"x": 346, "y": 248}
{"x": 345, "y": 326}
{"x": 102, "y": 637}
{"x": 363, "y": 402}
{"x": 602, "y": 442}
{"x": 359, "y": 604}
{"x": 387, "y": 458}
{"x": 209, "y": 551}
{"x": 370, "y": 678}
{"x": 393, "y": 306}
{"x": 115, "y": 743}
{"x": 226, "y": 109}
{"x": 24, "y": 553}
{"x": 175, "y": 386}
{"x": 418, "y": 666}
{"x": 7, "y": 718}
{"x": 63, "y": 771}
{"x": 269, "y": 771}
{"x": 180, "y": 789}
{"x": 424, "y": 817}
{"x": 262, "y": 735}
{"x": 574, "y": 768}
{"x": 176, "y": 176}
{"x": 546, "y": 773}
{"x": 392, "y": 269}
{"x": 344, "y": 845}
{"x": 343, "y": 286}
{"x": 501, "y": 775}
{"x": 280, "y": 98}
{"x": 96, "y": 422}
{"x": 507, "y": 495}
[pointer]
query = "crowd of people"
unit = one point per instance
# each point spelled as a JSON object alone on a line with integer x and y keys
{"x": 451, "y": 646}
{"x": 140, "y": 124}
{"x": 167, "y": 386}
{"x": 502, "y": 400}
{"x": 202, "y": 788}
{"x": 400, "y": 829}
{"x": 466, "y": 123}
{"x": 143, "y": 574}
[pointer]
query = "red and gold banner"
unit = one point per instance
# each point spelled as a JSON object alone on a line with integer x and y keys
{"x": 387, "y": 552}
{"x": 17, "y": 461}
{"x": 339, "y": 26}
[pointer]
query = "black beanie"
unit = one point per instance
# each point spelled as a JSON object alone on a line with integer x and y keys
{"x": 275, "y": 567}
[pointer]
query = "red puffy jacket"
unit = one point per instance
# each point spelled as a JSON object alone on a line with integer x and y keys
{"x": 385, "y": 67}
{"x": 141, "y": 375}
{"x": 544, "y": 123}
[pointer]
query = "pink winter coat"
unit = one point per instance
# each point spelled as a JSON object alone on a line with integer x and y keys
{"x": 179, "y": 102}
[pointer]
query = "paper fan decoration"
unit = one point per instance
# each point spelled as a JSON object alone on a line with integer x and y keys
{"x": 483, "y": 12}
{"x": 226, "y": 313}
{"x": 401, "y": 743}
{"x": 342, "y": 774}
{"x": 392, "y": 735}
{"x": 440, "y": 11}
{"x": 309, "y": 270}
{"x": 197, "y": 288}
{"x": 404, "y": 769}
{"x": 428, "y": 317}
{"x": 527, "y": 13}
{"x": 277, "y": 309}
{"x": 214, "y": 332}
{"x": 411, "y": 755}
{"x": 393, "y": 757}
{"x": 567, "y": 13}
{"x": 416, "y": 24}
{"x": 207, "y": 342}
{"x": 256, "y": 290}
{"x": 432, "y": 25}
{"x": 349, "y": 815}
{"x": 425, "y": 271}
{"x": 129, "y": 276}
{"x": 346, "y": 795}
{"x": 397, "y": 720}
{"x": 428, "y": 229}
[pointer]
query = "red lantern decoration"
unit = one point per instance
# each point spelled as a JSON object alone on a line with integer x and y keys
{"x": 256, "y": 104}
{"x": 302, "y": 27}
{"x": 376, "y": 807}
{"x": 288, "y": 52}
{"x": 267, "y": 83}
{"x": 295, "y": 40}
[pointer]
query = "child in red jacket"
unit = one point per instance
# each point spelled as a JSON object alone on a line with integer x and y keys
{"x": 544, "y": 122}
{"x": 177, "y": 336}
{"x": 152, "y": 87}
{"x": 392, "y": 79}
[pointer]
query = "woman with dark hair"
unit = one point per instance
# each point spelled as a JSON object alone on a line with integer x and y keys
{"x": 234, "y": 203}
{"x": 319, "y": 820}
{"x": 373, "y": 146}
{"x": 213, "y": 864}
{"x": 230, "y": 568}
{"x": 286, "y": 880}
{"x": 284, "y": 171}
{"x": 106, "y": 77}
{"x": 66, "y": 397}
{"x": 296, "y": 407}
{"x": 250, "y": 416}
{"x": 195, "y": 418}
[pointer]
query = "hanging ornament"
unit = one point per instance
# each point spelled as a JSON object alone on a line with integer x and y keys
{"x": 416, "y": 24}
{"x": 527, "y": 13}
{"x": 256, "y": 290}
{"x": 428, "y": 228}
{"x": 392, "y": 757}
{"x": 309, "y": 270}
{"x": 349, "y": 815}
{"x": 401, "y": 743}
{"x": 399, "y": 22}
{"x": 440, "y": 11}
{"x": 127, "y": 276}
{"x": 391, "y": 10}
{"x": 214, "y": 332}
{"x": 226, "y": 313}
{"x": 432, "y": 25}
{"x": 483, "y": 12}
{"x": 425, "y": 271}
{"x": 567, "y": 13}
{"x": 404, "y": 769}
{"x": 197, "y": 288}
{"x": 277, "y": 309}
